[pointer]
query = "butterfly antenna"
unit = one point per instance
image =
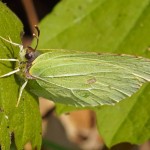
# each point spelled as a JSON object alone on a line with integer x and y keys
{"x": 36, "y": 36}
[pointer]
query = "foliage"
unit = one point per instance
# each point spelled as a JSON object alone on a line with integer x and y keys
{"x": 87, "y": 25}
{"x": 24, "y": 121}
{"x": 106, "y": 26}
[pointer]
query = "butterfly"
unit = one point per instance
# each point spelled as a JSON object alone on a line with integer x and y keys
{"x": 80, "y": 78}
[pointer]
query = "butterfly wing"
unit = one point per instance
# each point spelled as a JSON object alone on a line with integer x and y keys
{"x": 89, "y": 79}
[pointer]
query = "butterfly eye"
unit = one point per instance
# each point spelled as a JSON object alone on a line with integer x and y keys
{"x": 29, "y": 56}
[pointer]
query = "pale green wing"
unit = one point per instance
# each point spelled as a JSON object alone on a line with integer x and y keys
{"x": 83, "y": 79}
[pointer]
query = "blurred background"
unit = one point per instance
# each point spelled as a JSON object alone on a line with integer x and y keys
{"x": 75, "y": 130}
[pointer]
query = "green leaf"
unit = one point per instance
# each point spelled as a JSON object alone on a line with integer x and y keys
{"x": 97, "y": 25}
{"x": 89, "y": 79}
{"x": 106, "y": 26}
{"x": 24, "y": 121}
{"x": 127, "y": 123}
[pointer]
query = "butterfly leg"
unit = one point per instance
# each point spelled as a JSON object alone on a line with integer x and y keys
{"x": 11, "y": 59}
{"x": 10, "y": 73}
{"x": 20, "y": 92}
{"x": 9, "y": 41}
